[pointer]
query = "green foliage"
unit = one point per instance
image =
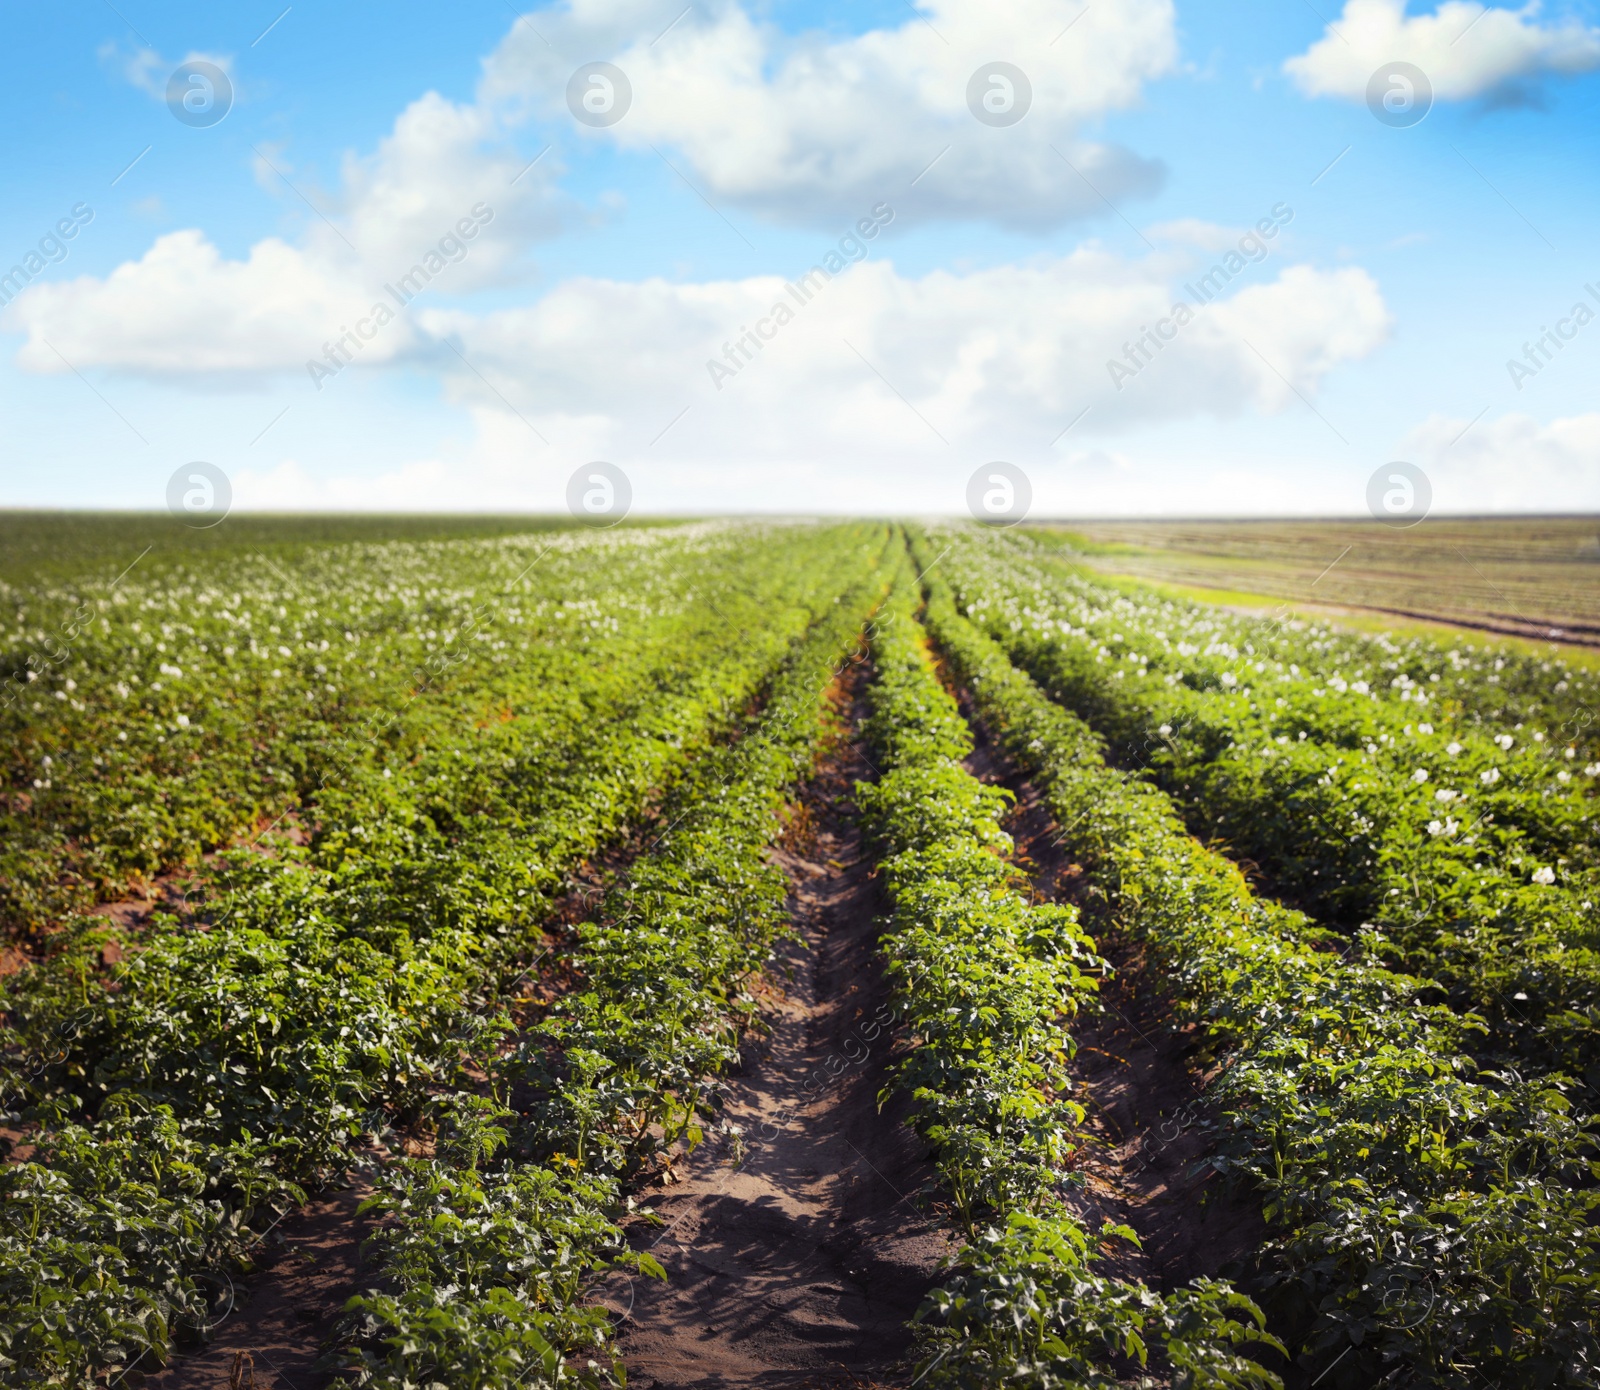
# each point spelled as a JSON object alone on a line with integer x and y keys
{"x": 491, "y": 1248}
{"x": 333, "y": 986}
{"x": 1025, "y": 1308}
{"x": 1434, "y": 1221}
{"x": 986, "y": 983}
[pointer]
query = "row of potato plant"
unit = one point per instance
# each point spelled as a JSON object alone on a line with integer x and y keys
{"x": 493, "y": 1245}
{"x": 1476, "y": 858}
{"x": 987, "y": 983}
{"x": 1495, "y": 686}
{"x": 148, "y": 719}
{"x": 1432, "y": 1224}
{"x": 337, "y": 985}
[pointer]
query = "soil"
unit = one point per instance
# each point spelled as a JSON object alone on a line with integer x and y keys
{"x": 270, "y": 1326}
{"x": 1147, "y": 1122}
{"x": 797, "y": 1253}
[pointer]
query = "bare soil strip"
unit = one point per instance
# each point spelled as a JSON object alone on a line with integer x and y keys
{"x": 272, "y": 1325}
{"x": 800, "y": 1260}
{"x": 1147, "y": 1115}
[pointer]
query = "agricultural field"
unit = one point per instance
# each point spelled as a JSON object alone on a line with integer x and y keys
{"x": 486, "y": 955}
{"x": 1532, "y": 577}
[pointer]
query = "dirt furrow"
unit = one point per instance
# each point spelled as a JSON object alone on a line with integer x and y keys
{"x": 798, "y": 1249}
{"x": 267, "y": 1329}
{"x": 1148, "y": 1119}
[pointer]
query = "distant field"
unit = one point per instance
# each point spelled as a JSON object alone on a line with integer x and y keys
{"x": 79, "y": 544}
{"x": 1534, "y": 577}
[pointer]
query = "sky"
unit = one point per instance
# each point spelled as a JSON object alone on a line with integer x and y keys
{"x": 1158, "y": 257}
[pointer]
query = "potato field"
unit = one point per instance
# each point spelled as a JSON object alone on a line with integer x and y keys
{"x": 793, "y": 954}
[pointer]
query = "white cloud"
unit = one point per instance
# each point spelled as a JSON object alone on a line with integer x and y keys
{"x": 880, "y": 371}
{"x": 1466, "y": 49}
{"x": 147, "y": 70}
{"x": 441, "y": 161}
{"x": 442, "y": 192}
{"x": 1003, "y": 354}
{"x": 182, "y": 308}
{"x": 1510, "y": 464}
{"x": 818, "y": 128}
{"x": 1194, "y": 231}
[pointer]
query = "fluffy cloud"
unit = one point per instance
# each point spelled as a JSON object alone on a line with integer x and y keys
{"x": 441, "y": 160}
{"x": 182, "y": 308}
{"x": 1511, "y": 464}
{"x": 1465, "y": 48}
{"x": 442, "y": 192}
{"x": 876, "y": 368}
{"x": 822, "y": 128}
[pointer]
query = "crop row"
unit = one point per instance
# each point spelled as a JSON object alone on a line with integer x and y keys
{"x": 986, "y": 983}
{"x": 331, "y": 988}
{"x": 1494, "y": 687}
{"x": 1476, "y": 859}
{"x": 147, "y": 721}
{"x": 492, "y": 1246}
{"x": 1432, "y": 1223}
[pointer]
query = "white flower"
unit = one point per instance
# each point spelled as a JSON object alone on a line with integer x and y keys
{"x": 1490, "y": 777}
{"x": 1229, "y": 679}
{"x": 1443, "y": 795}
{"x": 1420, "y": 775}
{"x": 1591, "y": 770}
{"x": 1538, "y": 738}
{"x": 1505, "y": 741}
{"x": 1572, "y": 752}
{"x": 1544, "y": 875}
{"x": 1361, "y": 688}
{"x": 183, "y": 721}
{"x": 1424, "y": 728}
{"x": 1563, "y": 776}
{"x": 1164, "y": 730}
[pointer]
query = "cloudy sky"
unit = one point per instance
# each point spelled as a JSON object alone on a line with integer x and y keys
{"x": 1164, "y": 257}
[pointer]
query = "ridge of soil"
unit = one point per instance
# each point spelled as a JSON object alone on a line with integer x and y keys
{"x": 1147, "y": 1119}
{"x": 798, "y": 1250}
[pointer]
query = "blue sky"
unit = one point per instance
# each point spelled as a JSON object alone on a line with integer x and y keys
{"x": 982, "y": 321}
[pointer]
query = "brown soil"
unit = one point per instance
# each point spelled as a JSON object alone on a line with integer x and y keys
{"x": 1147, "y": 1121}
{"x": 275, "y": 1320}
{"x": 797, "y": 1252}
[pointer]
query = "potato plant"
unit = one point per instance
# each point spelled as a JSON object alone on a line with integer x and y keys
{"x": 332, "y": 987}
{"x": 1433, "y": 1222}
{"x": 1475, "y": 857}
{"x": 493, "y": 1245}
{"x": 986, "y": 984}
